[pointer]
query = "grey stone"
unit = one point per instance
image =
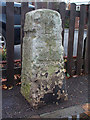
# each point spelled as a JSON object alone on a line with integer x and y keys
{"x": 64, "y": 113}
{"x": 42, "y": 58}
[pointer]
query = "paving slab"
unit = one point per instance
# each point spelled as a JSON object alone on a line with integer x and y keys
{"x": 64, "y": 113}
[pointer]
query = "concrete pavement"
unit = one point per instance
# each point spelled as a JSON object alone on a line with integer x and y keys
{"x": 64, "y": 113}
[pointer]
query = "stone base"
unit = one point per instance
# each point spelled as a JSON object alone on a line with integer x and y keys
{"x": 42, "y": 92}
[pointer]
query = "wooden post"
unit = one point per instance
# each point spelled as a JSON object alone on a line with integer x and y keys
{"x": 24, "y": 10}
{"x": 40, "y": 5}
{"x": 53, "y": 5}
{"x": 87, "y": 57}
{"x": 10, "y": 42}
{"x": 62, "y": 10}
{"x": 71, "y": 38}
{"x": 80, "y": 39}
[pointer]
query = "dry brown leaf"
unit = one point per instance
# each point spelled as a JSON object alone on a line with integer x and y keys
{"x": 15, "y": 77}
{"x": 3, "y": 80}
{"x": 86, "y": 107}
{"x": 18, "y": 76}
{"x": 18, "y": 83}
{"x": 4, "y": 87}
{"x": 87, "y": 112}
{"x": 11, "y": 87}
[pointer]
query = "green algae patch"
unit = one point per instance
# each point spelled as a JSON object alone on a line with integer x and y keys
{"x": 51, "y": 69}
{"x": 25, "y": 90}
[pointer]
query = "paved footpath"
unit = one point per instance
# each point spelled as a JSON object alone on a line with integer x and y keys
{"x": 14, "y": 104}
{"x": 74, "y": 112}
{"x": 65, "y": 113}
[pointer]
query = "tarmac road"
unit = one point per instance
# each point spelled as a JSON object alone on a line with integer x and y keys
{"x": 17, "y": 48}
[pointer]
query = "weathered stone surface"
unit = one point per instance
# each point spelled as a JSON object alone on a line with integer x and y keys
{"x": 42, "y": 60}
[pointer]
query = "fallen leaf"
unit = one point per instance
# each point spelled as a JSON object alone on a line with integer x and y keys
{"x": 4, "y": 87}
{"x": 18, "y": 83}
{"x": 87, "y": 112}
{"x": 11, "y": 87}
{"x": 68, "y": 75}
{"x": 86, "y": 107}
{"x": 74, "y": 76}
{"x": 3, "y": 79}
{"x": 18, "y": 76}
{"x": 15, "y": 77}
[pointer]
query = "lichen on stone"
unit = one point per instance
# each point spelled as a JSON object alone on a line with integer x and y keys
{"x": 42, "y": 58}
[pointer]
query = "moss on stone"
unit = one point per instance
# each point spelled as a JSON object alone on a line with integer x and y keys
{"x": 51, "y": 69}
{"x": 25, "y": 90}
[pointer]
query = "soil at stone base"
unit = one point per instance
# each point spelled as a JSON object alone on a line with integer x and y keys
{"x": 14, "y": 104}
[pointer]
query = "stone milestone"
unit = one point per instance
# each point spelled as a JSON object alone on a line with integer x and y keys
{"x": 42, "y": 58}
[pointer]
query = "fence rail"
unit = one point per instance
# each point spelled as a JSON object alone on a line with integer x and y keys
{"x": 10, "y": 10}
